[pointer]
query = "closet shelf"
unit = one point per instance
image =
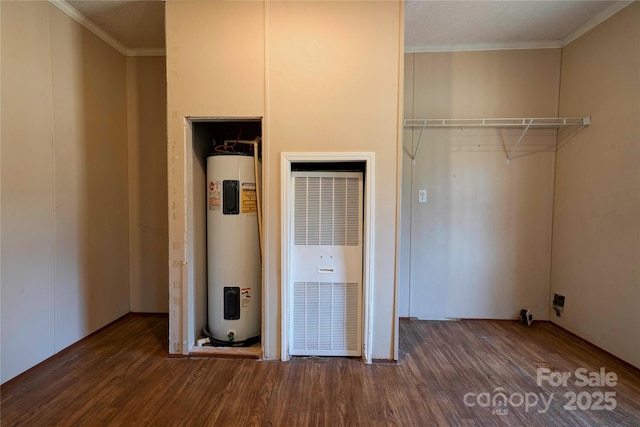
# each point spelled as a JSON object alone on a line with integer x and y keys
{"x": 510, "y": 123}
{"x": 553, "y": 122}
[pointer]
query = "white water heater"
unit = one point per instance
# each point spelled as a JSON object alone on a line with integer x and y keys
{"x": 233, "y": 248}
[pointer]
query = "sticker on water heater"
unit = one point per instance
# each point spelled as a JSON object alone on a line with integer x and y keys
{"x": 249, "y": 203}
{"x": 215, "y": 199}
{"x": 245, "y": 297}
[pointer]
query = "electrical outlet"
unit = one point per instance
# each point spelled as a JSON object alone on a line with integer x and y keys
{"x": 558, "y": 304}
{"x": 422, "y": 196}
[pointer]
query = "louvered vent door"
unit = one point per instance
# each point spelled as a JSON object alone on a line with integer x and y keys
{"x": 326, "y": 264}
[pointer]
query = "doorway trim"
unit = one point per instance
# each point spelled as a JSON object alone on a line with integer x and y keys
{"x": 189, "y": 328}
{"x": 368, "y": 238}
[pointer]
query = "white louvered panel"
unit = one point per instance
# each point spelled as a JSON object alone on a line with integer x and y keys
{"x": 352, "y": 324}
{"x": 339, "y": 313}
{"x": 325, "y": 326}
{"x": 326, "y": 213}
{"x": 311, "y": 316}
{"x": 353, "y": 211}
{"x": 326, "y": 264}
{"x": 325, "y": 319}
{"x": 299, "y": 307}
{"x": 300, "y": 211}
{"x": 313, "y": 211}
{"x": 339, "y": 211}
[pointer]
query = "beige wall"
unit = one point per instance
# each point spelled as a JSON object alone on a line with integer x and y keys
{"x": 64, "y": 184}
{"x": 215, "y": 61}
{"x": 334, "y": 82}
{"x": 480, "y": 246}
{"x": 308, "y": 68}
{"x": 596, "y": 240}
{"x": 28, "y": 229}
{"x": 147, "y": 129}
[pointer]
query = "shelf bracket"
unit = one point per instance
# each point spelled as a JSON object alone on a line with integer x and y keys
{"x": 415, "y": 152}
{"x": 524, "y": 132}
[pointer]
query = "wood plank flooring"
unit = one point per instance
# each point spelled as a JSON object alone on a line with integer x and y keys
{"x": 122, "y": 376}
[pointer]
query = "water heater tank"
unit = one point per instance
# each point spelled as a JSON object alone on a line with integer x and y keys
{"x": 233, "y": 248}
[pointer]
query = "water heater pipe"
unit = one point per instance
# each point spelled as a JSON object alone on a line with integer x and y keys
{"x": 255, "y": 143}
{"x": 259, "y": 205}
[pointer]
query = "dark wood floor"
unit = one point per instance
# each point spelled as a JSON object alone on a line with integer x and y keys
{"x": 122, "y": 376}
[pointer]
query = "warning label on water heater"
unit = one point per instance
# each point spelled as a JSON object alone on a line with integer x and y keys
{"x": 245, "y": 297}
{"x": 248, "y": 195}
{"x": 215, "y": 199}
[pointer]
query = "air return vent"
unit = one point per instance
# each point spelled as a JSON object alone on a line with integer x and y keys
{"x": 325, "y": 318}
{"x": 327, "y": 211}
{"x": 325, "y": 275}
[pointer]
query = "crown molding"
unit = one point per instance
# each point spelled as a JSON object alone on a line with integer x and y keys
{"x": 460, "y": 47}
{"x": 595, "y": 21}
{"x": 469, "y": 47}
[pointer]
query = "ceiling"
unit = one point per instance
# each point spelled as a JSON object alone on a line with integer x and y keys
{"x": 471, "y": 25}
{"x": 429, "y": 25}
